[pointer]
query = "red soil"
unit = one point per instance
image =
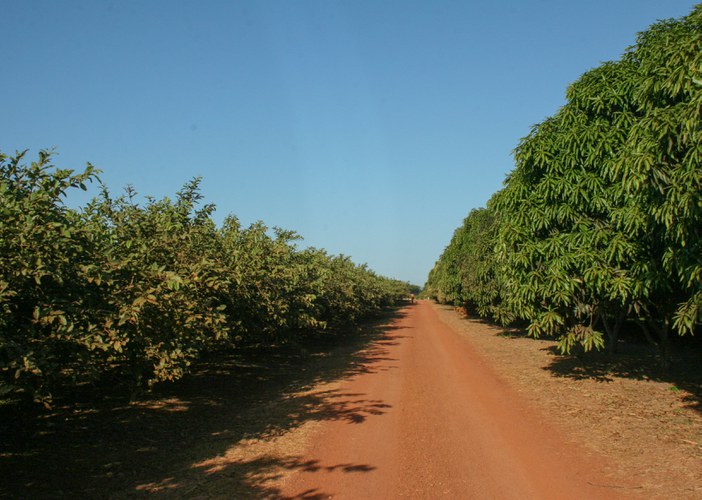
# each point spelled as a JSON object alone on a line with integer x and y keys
{"x": 442, "y": 425}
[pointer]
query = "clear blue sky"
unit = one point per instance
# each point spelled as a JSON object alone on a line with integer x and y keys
{"x": 370, "y": 127}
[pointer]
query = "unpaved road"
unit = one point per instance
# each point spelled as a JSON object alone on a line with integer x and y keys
{"x": 439, "y": 423}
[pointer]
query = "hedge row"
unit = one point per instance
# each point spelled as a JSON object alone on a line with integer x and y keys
{"x": 600, "y": 223}
{"x": 138, "y": 292}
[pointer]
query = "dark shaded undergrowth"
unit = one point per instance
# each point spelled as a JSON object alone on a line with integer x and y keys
{"x": 101, "y": 445}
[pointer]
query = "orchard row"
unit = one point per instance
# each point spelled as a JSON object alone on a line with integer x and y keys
{"x": 600, "y": 223}
{"x": 136, "y": 293}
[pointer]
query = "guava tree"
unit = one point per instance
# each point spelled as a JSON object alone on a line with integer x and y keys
{"x": 42, "y": 251}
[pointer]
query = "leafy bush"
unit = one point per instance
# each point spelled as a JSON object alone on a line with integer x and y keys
{"x": 136, "y": 293}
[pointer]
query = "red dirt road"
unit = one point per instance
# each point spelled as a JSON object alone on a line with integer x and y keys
{"x": 434, "y": 421}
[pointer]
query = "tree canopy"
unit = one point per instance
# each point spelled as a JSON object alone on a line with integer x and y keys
{"x": 137, "y": 292}
{"x": 600, "y": 220}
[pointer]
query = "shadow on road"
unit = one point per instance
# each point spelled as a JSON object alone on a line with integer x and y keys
{"x": 185, "y": 439}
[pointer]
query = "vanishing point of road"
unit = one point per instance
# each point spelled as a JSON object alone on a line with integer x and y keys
{"x": 443, "y": 425}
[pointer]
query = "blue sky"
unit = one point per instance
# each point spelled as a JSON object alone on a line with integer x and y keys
{"x": 371, "y": 128}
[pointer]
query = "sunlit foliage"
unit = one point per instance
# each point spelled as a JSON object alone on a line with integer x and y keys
{"x": 600, "y": 221}
{"x": 137, "y": 292}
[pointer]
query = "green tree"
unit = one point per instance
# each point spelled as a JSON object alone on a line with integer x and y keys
{"x": 42, "y": 249}
{"x": 137, "y": 292}
{"x": 600, "y": 219}
{"x": 465, "y": 274}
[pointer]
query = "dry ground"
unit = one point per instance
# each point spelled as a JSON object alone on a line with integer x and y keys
{"x": 240, "y": 423}
{"x": 229, "y": 430}
{"x": 647, "y": 421}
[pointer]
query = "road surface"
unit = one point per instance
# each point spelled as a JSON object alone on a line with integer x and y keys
{"x": 430, "y": 419}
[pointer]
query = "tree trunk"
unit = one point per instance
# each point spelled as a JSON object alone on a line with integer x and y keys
{"x": 612, "y": 331}
{"x": 662, "y": 344}
{"x": 664, "y": 348}
{"x": 649, "y": 338}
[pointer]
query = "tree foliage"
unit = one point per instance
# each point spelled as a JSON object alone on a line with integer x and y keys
{"x": 137, "y": 292}
{"x": 600, "y": 220}
{"x": 465, "y": 274}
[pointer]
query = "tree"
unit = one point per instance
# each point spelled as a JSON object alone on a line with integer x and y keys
{"x": 134, "y": 293}
{"x": 600, "y": 219}
{"x": 42, "y": 250}
{"x": 465, "y": 275}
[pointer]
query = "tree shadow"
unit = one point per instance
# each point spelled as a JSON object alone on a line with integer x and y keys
{"x": 634, "y": 360}
{"x": 514, "y": 330}
{"x": 639, "y": 362}
{"x": 183, "y": 440}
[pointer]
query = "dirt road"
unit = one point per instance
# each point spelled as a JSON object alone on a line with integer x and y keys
{"x": 438, "y": 423}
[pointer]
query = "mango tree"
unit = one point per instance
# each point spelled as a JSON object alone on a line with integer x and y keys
{"x": 600, "y": 219}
